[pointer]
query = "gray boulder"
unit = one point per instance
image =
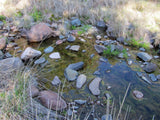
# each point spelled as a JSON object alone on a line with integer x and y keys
{"x": 150, "y": 67}
{"x": 100, "y": 48}
{"x": 10, "y": 64}
{"x": 81, "y": 80}
{"x": 94, "y": 86}
{"x": 30, "y": 53}
{"x": 76, "y": 66}
{"x": 144, "y": 56}
{"x": 70, "y": 74}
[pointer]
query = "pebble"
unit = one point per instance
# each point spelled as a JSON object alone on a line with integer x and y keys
{"x": 40, "y": 61}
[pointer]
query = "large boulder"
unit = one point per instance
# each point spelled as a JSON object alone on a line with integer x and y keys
{"x": 52, "y": 100}
{"x": 94, "y": 86}
{"x": 30, "y": 53}
{"x": 10, "y": 64}
{"x": 144, "y": 56}
{"x": 2, "y": 43}
{"x": 150, "y": 67}
{"x": 40, "y": 32}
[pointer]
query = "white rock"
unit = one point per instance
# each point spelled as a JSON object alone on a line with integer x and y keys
{"x": 94, "y": 86}
{"x": 81, "y": 80}
{"x": 74, "y": 47}
{"x": 56, "y": 81}
{"x": 55, "y": 55}
{"x": 30, "y": 53}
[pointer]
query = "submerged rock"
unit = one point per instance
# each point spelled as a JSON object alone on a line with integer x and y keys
{"x": 144, "y": 56}
{"x": 52, "y": 100}
{"x": 150, "y": 67}
{"x": 94, "y": 86}
{"x": 56, "y": 81}
{"x": 40, "y": 32}
{"x": 81, "y": 80}
{"x": 76, "y": 66}
{"x": 30, "y": 53}
{"x": 49, "y": 49}
{"x": 138, "y": 94}
{"x": 70, "y": 74}
{"x": 153, "y": 77}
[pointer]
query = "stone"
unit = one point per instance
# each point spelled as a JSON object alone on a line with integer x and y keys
{"x": 100, "y": 48}
{"x": 97, "y": 73}
{"x": 55, "y": 55}
{"x": 81, "y": 80}
{"x": 120, "y": 55}
{"x": 105, "y": 37}
{"x": 101, "y": 25}
{"x": 153, "y": 77}
{"x": 56, "y": 81}
{"x": 130, "y": 62}
{"x": 1, "y": 24}
{"x": 61, "y": 37}
{"x": 146, "y": 79}
{"x": 74, "y": 47}
{"x": 67, "y": 47}
{"x": 70, "y": 74}
{"x": 92, "y": 55}
{"x": 30, "y": 53}
{"x": 108, "y": 96}
{"x": 83, "y": 51}
{"x": 144, "y": 56}
{"x": 54, "y": 25}
{"x": 39, "y": 61}
{"x": 2, "y": 43}
{"x": 105, "y": 116}
{"x": 113, "y": 47}
{"x": 158, "y": 77}
{"x": 139, "y": 74}
{"x": 33, "y": 91}
{"x": 94, "y": 86}
{"x": 1, "y": 55}
{"x": 76, "y": 66}
{"x": 138, "y": 94}
{"x": 58, "y": 42}
{"x": 120, "y": 39}
{"x": 119, "y": 47}
{"x": 10, "y": 64}
{"x": 76, "y": 22}
{"x": 49, "y": 49}
{"x": 40, "y": 32}
{"x": 142, "y": 49}
{"x": 156, "y": 57}
{"x": 98, "y": 37}
{"x": 82, "y": 40}
{"x": 71, "y": 38}
{"x": 7, "y": 55}
{"x": 69, "y": 112}
{"x": 150, "y": 67}
{"x": 52, "y": 100}
{"x": 80, "y": 102}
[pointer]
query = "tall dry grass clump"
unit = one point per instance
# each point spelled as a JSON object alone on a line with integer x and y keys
{"x": 143, "y": 15}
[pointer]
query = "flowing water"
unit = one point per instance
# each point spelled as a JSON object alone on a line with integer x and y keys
{"x": 113, "y": 72}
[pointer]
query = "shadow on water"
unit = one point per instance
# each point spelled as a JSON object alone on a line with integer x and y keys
{"x": 119, "y": 76}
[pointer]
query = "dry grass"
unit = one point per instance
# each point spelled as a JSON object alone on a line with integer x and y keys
{"x": 119, "y": 14}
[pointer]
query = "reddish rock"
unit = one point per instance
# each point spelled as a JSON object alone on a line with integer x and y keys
{"x": 138, "y": 94}
{"x": 2, "y": 43}
{"x": 51, "y": 100}
{"x": 58, "y": 42}
{"x": 40, "y": 32}
{"x": 33, "y": 91}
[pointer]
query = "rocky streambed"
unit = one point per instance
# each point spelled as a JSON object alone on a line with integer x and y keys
{"x": 73, "y": 67}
